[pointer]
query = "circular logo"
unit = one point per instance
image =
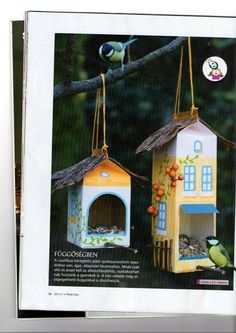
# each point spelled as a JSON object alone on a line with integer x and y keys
{"x": 214, "y": 68}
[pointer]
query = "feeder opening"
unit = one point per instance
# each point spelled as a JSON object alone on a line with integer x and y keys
{"x": 107, "y": 215}
{"x": 193, "y": 229}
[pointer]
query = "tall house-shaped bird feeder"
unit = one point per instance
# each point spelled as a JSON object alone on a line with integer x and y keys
{"x": 99, "y": 194}
{"x": 185, "y": 177}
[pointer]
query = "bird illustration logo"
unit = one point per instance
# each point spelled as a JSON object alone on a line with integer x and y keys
{"x": 114, "y": 52}
{"x": 217, "y": 253}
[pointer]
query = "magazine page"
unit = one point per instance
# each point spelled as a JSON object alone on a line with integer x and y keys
{"x": 128, "y": 192}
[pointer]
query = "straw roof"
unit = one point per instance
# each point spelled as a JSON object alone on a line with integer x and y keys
{"x": 165, "y": 134}
{"x": 75, "y": 174}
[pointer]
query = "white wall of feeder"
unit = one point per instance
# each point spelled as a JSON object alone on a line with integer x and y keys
{"x": 188, "y": 139}
{"x": 198, "y": 139}
{"x": 97, "y": 215}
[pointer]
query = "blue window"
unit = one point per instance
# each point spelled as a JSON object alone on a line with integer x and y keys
{"x": 206, "y": 178}
{"x": 162, "y": 216}
{"x": 189, "y": 178}
{"x": 197, "y": 146}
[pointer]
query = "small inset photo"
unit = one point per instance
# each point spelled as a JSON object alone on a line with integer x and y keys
{"x": 214, "y": 68}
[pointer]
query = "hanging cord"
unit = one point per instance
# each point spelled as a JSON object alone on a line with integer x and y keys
{"x": 178, "y": 90}
{"x": 104, "y": 147}
{"x": 193, "y": 108}
{"x": 95, "y": 135}
{"x": 96, "y": 121}
{"x": 98, "y": 117}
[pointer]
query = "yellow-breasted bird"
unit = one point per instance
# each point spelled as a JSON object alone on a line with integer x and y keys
{"x": 217, "y": 253}
{"x": 114, "y": 52}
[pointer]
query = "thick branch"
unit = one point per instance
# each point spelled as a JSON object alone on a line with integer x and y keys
{"x": 75, "y": 87}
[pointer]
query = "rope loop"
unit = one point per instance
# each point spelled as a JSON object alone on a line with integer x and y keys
{"x": 193, "y": 109}
{"x": 95, "y": 135}
{"x": 178, "y": 90}
{"x": 191, "y": 75}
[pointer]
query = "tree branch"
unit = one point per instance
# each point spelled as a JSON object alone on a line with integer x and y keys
{"x": 75, "y": 87}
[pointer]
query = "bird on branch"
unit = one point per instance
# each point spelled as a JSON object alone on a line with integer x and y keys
{"x": 217, "y": 253}
{"x": 114, "y": 52}
{"x": 75, "y": 87}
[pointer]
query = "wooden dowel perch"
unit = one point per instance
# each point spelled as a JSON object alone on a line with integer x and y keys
{"x": 108, "y": 244}
{"x": 211, "y": 269}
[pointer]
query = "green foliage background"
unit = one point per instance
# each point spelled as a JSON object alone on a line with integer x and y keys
{"x": 138, "y": 105}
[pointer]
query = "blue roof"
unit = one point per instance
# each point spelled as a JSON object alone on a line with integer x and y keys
{"x": 199, "y": 209}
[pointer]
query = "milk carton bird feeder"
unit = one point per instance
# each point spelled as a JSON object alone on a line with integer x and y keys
{"x": 99, "y": 195}
{"x": 184, "y": 177}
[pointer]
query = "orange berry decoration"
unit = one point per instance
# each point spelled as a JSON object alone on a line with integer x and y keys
{"x": 155, "y": 212}
{"x": 150, "y": 209}
{"x": 175, "y": 167}
{"x": 172, "y": 173}
{"x": 167, "y": 171}
{"x": 180, "y": 177}
{"x": 160, "y": 192}
{"x": 162, "y": 188}
{"x": 155, "y": 186}
{"x": 173, "y": 183}
{"x": 157, "y": 198}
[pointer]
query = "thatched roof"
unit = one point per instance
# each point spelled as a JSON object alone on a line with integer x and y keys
{"x": 165, "y": 134}
{"x": 75, "y": 174}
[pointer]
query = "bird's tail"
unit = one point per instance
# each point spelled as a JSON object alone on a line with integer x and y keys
{"x": 129, "y": 42}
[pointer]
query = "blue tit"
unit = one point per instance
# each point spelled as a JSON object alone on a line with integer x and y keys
{"x": 114, "y": 52}
{"x": 217, "y": 253}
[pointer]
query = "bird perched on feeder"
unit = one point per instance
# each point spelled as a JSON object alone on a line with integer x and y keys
{"x": 217, "y": 253}
{"x": 114, "y": 52}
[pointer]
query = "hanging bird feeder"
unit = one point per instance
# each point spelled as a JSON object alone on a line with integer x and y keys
{"x": 184, "y": 189}
{"x": 99, "y": 194}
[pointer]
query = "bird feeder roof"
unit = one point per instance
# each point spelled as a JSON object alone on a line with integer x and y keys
{"x": 76, "y": 173}
{"x": 165, "y": 134}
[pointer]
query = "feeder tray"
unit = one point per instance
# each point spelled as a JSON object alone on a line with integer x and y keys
{"x": 190, "y": 247}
